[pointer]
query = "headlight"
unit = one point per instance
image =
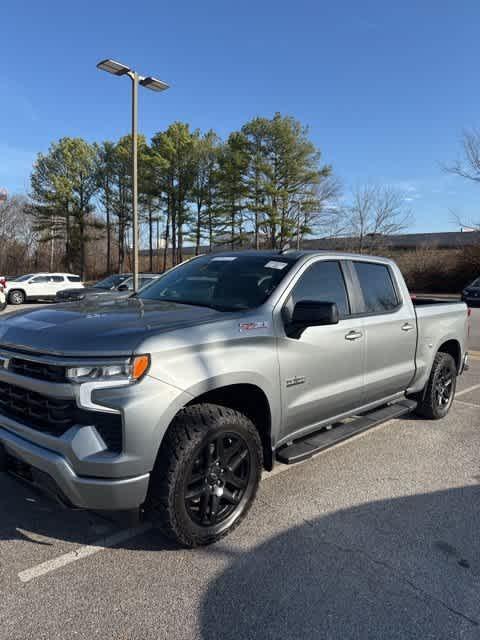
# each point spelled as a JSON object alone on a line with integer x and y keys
{"x": 130, "y": 371}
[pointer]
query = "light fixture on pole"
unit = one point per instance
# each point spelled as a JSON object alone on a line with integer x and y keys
{"x": 149, "y": 82}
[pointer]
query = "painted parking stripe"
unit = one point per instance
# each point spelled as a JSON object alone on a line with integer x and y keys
{"x": 82, "y": 552}
{"x": 467, "y": 390}
{"x": 468, "y": 404}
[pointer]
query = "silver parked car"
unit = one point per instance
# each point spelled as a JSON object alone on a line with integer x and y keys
{"x": 176, "y": 399}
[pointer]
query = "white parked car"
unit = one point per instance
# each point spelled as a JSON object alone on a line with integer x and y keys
{"x": 40, "y": 286}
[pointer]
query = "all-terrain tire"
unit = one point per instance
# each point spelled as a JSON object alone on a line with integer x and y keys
{"x": 190, "y": 448}
{"x": 437, "y": 397}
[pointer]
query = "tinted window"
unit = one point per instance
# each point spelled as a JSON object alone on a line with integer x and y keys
{"x": 377, "y": 287}
{"x": 40, "y": 279}
{"x": 324, "y": 282}
{"x": 143, "y": 281}
{"x": 111, "y": 282}
{"x": 74, "y": 278}
{"x": 223, "y": 282}
{"x": 57, "y": 279}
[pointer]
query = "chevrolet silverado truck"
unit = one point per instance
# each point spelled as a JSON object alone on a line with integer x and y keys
{"x": 174, "y": 400}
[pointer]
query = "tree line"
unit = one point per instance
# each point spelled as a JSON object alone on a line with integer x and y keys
{"x": 265, "y": 186}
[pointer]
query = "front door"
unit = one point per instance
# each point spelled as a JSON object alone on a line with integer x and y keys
{"x": 322, "y": 371}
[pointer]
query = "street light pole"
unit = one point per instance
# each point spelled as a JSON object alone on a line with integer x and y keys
{"x": 149, "y": 82}
{"x": 134, "y": 76}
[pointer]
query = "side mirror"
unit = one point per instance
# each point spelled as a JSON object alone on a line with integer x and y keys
{"x": 123, "y": 287}
{"x": 310, "y": 313}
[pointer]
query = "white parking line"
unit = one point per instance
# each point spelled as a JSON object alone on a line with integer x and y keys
{"x": 82, "y": 552}
{"x": 467, "y": 390}
{"x": 468, "y": 404}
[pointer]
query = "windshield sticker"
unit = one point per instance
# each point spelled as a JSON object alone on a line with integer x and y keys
{"x": 273, "y": 264}
{"x": 250, "y": 326}
{"x": 224, "y": 259}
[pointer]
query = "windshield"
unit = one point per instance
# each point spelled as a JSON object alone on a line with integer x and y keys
{"x": 226, "y": 283}
{"x": 142, "y": 282}
{"x": 476, "y": 283}
{"x": 23, "y": 278}
{"x": 110, "y": 282}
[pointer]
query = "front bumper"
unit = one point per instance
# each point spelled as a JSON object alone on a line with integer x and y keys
{"x": 53, "y": 474}
{"x": 80, "y": 466}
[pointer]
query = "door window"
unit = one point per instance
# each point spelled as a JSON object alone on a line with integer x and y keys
{"x": 57, "y": 279}
{"x": 379, "y": 294}
{"x": 39, "y": 280}
{"x": 322, "y": 281}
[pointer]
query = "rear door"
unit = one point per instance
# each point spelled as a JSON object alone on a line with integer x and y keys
{"x": 322, "y": 370}
{"x": 390, "y": 330}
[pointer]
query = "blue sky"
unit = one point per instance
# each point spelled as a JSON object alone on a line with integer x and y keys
{"x": 386, "y": 87}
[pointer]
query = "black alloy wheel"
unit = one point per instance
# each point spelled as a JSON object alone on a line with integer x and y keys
{"x": 435, "y": 400}
{"x": 217, "y": 479}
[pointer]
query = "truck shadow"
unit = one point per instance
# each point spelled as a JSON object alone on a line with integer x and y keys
{"x": 402, "y": 568}
{"x": 29, "y": 516}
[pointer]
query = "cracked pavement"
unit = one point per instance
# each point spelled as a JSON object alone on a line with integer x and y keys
{"x": 377, "y": 538}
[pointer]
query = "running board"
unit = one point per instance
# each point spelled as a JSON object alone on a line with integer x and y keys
{"x": 318, "y": 441}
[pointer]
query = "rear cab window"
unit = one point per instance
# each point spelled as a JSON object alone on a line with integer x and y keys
{"x": 377, "y": 287}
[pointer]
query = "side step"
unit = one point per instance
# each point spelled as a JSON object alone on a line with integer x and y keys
{"x": 318, "y": 441}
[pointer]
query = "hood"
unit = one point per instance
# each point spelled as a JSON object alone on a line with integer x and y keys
{"x": 104, "y": 328}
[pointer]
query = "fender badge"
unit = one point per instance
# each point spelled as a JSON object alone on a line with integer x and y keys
{"x": 291, "y": 382}
{"x": 251, "y": 326}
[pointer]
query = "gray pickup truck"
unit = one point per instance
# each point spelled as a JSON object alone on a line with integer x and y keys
{"x": 174, "y": 400}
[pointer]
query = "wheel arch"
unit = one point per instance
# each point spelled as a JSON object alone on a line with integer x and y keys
{"x": 453, "y": 348}
{"x": 250, "y": 400}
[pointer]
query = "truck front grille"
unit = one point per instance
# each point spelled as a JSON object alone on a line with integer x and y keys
{"x": 38, "y": 370}
{"x": 54, "y": 417}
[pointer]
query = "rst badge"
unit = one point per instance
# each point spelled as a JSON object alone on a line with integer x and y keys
{"x": 252, "y": 326}
{"x": 292, "y": 382}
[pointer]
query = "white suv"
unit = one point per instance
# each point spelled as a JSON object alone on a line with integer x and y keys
{"x": 36, "y": 286}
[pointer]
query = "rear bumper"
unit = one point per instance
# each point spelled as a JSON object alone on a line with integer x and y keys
{"x": 52, "y": 473}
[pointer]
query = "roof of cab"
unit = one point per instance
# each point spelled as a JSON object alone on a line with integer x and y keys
{"x": 295, "y": 255}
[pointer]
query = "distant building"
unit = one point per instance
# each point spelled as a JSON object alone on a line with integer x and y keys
{"x": 407, "y": 241}
{"x": 441, "y": 240}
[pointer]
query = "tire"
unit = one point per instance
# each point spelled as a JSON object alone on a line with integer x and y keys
{"x": 206, "y": 475}
{"x": 16, "y": 297}
{"x": 3, "y": 306}
{"x": 436, "y": 399}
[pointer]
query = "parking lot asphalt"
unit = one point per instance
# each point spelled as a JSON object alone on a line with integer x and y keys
{"x": 376, "y": 538}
